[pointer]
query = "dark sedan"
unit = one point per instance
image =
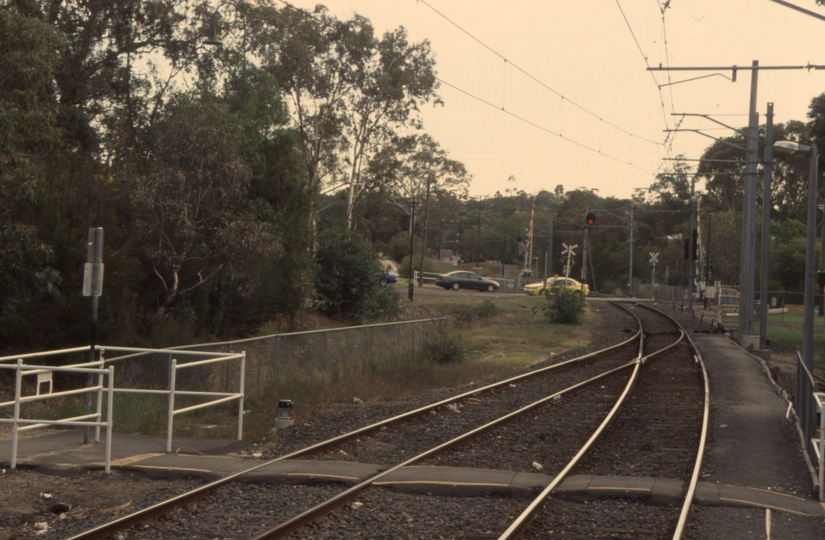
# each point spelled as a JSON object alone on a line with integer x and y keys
{"x": 466, "y": 280}
{"x": 385, "y": 277}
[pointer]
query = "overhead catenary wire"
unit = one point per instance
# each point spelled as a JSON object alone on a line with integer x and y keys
{"x": 534, "y": 78}
{"x": 542, "y": 128}
{"x": 644, "y": 57}
{"x": 518, "y": 117}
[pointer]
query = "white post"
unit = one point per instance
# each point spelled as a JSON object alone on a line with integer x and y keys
{"x": 99, "y": 397}
{"x": 170, "y": 420}
{"x": 110, "y": 401}
{"x": 17, "y": 386}
{"x": 240, "y": 401}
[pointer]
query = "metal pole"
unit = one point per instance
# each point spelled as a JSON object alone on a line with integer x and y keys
{"x": 478, "y": 235}
{"x": 692, "y": 242}
{"x": 708, "y": 280}
{"x": 411, "y": 286}
{"x": 766, "y": 230}
{"x": 748, "y": 229}
{"x": 822, "y": 264}
{"x": 549, "y": 265}
{"x": 808, "y": 330}
{"x": 630, "y": 279}
{"x": 95, "y": 256}
{"x": 584, "y": 249}
{"x": 424, "y": 238}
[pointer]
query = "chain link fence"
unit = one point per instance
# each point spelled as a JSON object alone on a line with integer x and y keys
{"x": 334, "y": 353}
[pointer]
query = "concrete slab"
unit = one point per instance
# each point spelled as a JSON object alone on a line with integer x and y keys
{"x": 667, "y": 492}
{"x": 450, "y": 481}
{"x": 620, "y": 487}
{"x": 707, "y": 493}
{"x": 65, "y": 448}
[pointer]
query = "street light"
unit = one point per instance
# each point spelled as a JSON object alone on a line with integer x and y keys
{"x": 790, "y": 147}
{"x": 215, "y": 40}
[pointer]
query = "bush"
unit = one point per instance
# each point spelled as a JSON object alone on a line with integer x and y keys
{"x": 485, "y": 310}
{"x": 346, "y": 280}
{"x": 444, "y": 349}
{"x": 564, "y": 307}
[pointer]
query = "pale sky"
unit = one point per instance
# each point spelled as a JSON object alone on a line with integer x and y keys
{"x": 585, "y": 52}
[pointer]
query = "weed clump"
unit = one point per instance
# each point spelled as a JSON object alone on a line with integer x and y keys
{"x": 444, "y": 349}
{"x": 564, "y": 307}
{"x": 468, "y": 314}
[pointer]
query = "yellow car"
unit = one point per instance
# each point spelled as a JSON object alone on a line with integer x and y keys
{"x": 556, "y": 282}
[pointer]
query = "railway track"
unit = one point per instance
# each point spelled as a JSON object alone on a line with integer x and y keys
{"x": 549, "y": 420}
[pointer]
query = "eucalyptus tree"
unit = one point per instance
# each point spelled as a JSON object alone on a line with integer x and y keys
{"x": 316, "y": 60}
{"x": 414, "y": 169}
{"x": 190, "y": 206}
{"x": 396, "y": 79}
{"x": 30, "y": 135}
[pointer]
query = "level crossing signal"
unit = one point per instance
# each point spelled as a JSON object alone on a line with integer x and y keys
{"x": 590, "y": 219}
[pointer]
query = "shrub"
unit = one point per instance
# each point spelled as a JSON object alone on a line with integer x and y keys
{"x": 564, "y": 307}
{"x": 346, "y": 280}
{"x": 467, "y": 313}
{"x": 444, "y": 349}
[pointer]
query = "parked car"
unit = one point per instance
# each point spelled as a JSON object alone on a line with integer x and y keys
{"x": 556, "y": 283}
{"x": 385, "y": 277}
{"x": 466, "y": 280}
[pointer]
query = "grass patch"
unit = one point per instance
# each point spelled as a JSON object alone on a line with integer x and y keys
{"x": 489, "y": 337}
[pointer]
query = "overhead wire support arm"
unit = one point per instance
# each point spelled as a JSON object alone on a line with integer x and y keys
{"x": 801, "y": 9}
{"x": 696, "y": 79}
{"x": 734, "y": 68}
{"x": 717, "y": 139}
{"x": 708, "y": 117}
{"x": 701, "y": 160}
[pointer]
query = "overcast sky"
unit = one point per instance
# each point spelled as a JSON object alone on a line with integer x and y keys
{"x": 607, "y": 132}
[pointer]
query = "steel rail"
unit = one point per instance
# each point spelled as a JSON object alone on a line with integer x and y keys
{"x": 163, "y": 507}
{"x": 697, "y": 468}
{"x": 332, "y": 503}
{"x": 522, "y": 522}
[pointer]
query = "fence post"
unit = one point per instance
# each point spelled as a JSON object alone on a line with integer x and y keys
{"x": 170, "y": 418}
{"x": 18, "y": 384}
{"x": 364, "y": 341}
{"x": 110, "y": 401}
{"x": 169, "y": 370}
{"x": 228, "y": 372}
{"x": 275, "y": 356}
{"x": 325, "y": 350}
{"x": 242, "y": 377}
{"x": 99, "y": 394}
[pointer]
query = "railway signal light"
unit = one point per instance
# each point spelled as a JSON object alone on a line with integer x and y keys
{"x": 590, "y": 219}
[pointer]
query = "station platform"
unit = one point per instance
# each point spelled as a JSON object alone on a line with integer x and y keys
{"x": 753, "y": 463}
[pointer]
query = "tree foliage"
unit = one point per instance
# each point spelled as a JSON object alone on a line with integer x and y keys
{"x": 346, "y": 280}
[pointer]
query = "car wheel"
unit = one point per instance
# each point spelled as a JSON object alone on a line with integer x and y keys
{"x": 383, "y": 282}
{"x": 456, "y": 286}
{"x": 491, "y": 288}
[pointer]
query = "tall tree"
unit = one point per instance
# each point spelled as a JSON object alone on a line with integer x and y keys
{"x": 396, "y": 79}
{"x": 29, "y": 58}
{"x": 190, "y": 207}
{"x": 316, "y": 58}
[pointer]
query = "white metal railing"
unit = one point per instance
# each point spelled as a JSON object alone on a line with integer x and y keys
{"x": 819, "y": 398}
{"x": 45, "y": 374}
{"x": 429, "y": 277}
